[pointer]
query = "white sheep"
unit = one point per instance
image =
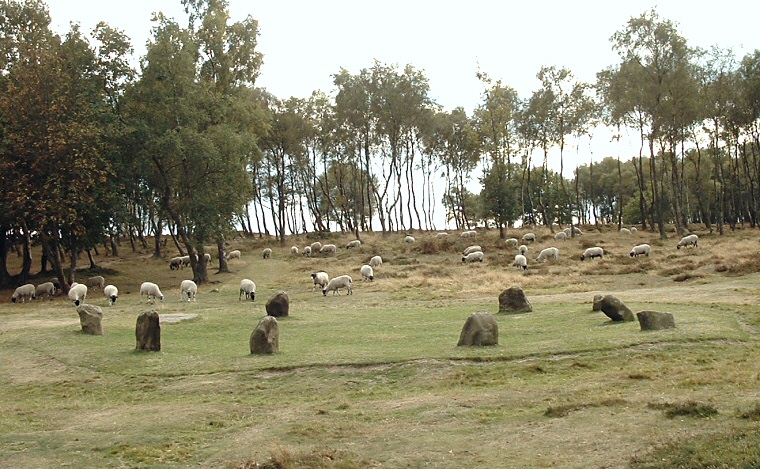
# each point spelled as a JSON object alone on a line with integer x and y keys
{"x": 343, "y": 281}
{"x": 367, "y": 272}
{"x": 570, "y": 229}
{"x": 469, "y": 234}
{"x": 529, "y": 237}
{"x": 521, "y": 262}
{"x": 625, "y": 231}
{"x": 523, "y": 249}
{"x": 320, "y": 278}
{"x": 175, "y": 263}
{"x": 266, "y": 253}
{"x": 592, "y": 253}
{"x": 247, "y": 288}
{"x": 476, "y": 256}
{"x": 207, "y": 258}
{"x": 376, "y": 261}
{"x": 512, "y": 242}
{"x": 634, "y": 230}
{"x": 328, "y": 249}
{"x": 307, "y": 251}
{"x": 185, "y": 261}
{"x": 151, "y": 292}
{"x": 47, "y": 288}
{"x": 353, "y": 244}
{"x": 294, "y": 250}
{"x": 641, "y": 249}
{"x": 96, "y": 281}
{"x": 548, "y": 253}
{"x": 234, "y": 254}
{"x": 690, "y": 240}
{"x": 316, "y": 246}
{"x": 112, "y": 293}
{"x": 188, "y": 289}
{"x": 78, "y": 293}
{"x": 473, "y": 248}
{"x": 23, "y": 293}
{"x": 442, "y": 235}
{"x": 560, "y": 236}
{"x": 409, "y": 239}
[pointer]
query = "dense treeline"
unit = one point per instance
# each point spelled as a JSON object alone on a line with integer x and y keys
{"x": 94, "y": 154}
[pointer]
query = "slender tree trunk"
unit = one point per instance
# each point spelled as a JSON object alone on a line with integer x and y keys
{"x": 222, "y": 255}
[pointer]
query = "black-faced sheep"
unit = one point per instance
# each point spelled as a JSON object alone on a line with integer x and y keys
{"x": 521, "y": 262}
{"x": 247, "y": 288}
{"x": 592, "y": 253}
{"x": 476, "y": 256}
{"x": 23, "y": 293}
{"x": 641, "y": 249}
{"x": 96, "y": 281}
{"x": 367, "y": 272}
{"x": 112, "y": 293}
{"x": 690, "y": 240}
{"x": 307, "y": 251}
{"x": 353, "y": 244}
{"x": 473, "y": 248}
{"x": 523, "y": 249}
{"x": 409, "y": 239}
{"x": 548, "y": 253}
{"x": 151, "y": 291}
{"x": 560, "y": 236}
{"x": 376, "y": 261}
{"x": 529, "y": 237}
{"x": 321, "y": 279}
{"x": 328, "y": 249}
{"x": 188, "y": 290}
{"x": 233, "y": 254}
{"x": 294, "y": 250}
{"x": 175, "y": 263}
{"x": 44, "y": 289}
{"x": 78, "y": 293}
{"x": 266, "y": 253}
{"x": 343, "y": 281}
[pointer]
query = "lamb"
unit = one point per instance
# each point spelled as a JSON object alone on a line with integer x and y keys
{"x": 521, "y": 262}
{"x": 96, "y": 281}
{"x": 43, "y": 289}
{"x": 376, "y": 261}
{"x": 473, "y": 248}
{"x": 307, "y": 251}
{"x": 367, "y": 273}
{"x": 316, "y": 246}
{"x": 23, "y": 293}
{"x": 233, "y": 254}
{"x": 409, "y": 239}
{"x": 625, "y": 231}
{"x": 476, "y": 256}
{"x": 320, "y": 278}
{"x": 529, "y": 237}
{"x": 151, "y": 292}
{"x": 294, "y": 250}
{"x": 591, "y": 253}
{"x": 353, "y": 244}
{"x": 188, "y": 289}
{"x": 175, "y": 263}
{"x": 248, "y": 288}
{"x": 560, "y": 236}
{"x": 77, "y": 293}
{"x": 442, "y": 235}
{"x": 523, "y": 249}
{"x": 266, "y": 253}
{"x": 548, "y": 253}
{"x": 328, "y": 249}
{"x": 512, "y": 242}
{"x": 343, "y": 281}
{"x": 641, "y": 249}
{"x": 690, "y": 240}
{"x": 112, "y": 293}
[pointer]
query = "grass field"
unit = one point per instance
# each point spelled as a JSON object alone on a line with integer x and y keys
{"x": 376, "y": 379}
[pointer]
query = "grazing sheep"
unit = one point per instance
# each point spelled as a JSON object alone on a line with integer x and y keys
{"x": 43, "y": 289}
{"x": 185, "y": 261}
{"x": 367, "y": 273}
{"x": 521, "y": 262}
{"x": 320, "y": 278}
{"x": 523, "y": 249}
{"x": 328, "y": 249}
{"x": 24, "y": 292}
{"x": 529, "y": 237}
{"x": 294, "y": 250}
{"x": 233, "y": 254}
{"x": 112, "y": 293}
{"x": 77, "y": 293}
{"x": 473, "y": 248}
{"x": 441, "y": 235}
{"x": 316, "y": 246}
{"x": 188, "y": 289}
{"x": 634, "y": 230}
{"x": 343, "y": 281}
{"x": 175, "y": 263}
{"x": 476, "y": 256}
{"x": 409, "y": 239}
{"x": 96, "y": 281}
{"x": 266, "y": 253}
{"x": 248, "y": 288}
{"x": 307, "y": 251}
{"x": 591, "y": 253}
{"x": 690, "y": 240}
{"x": 548, "y": 253}
{"x": 625, "y": 231}
{"x": 376, "y": 261}
{"x": 469, "y": 234}
{"x": 560, "y": 236}
{"x": 207, "y": 258}
{"x": 570, "y": 229}
{"x": 641, "y": 249}
{"x": 512, "y": 242}
{"x": 151, "y": 292}
{"x": 353, "y": 244}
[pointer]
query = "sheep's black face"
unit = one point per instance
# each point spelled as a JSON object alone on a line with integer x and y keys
{"x": 76, "y": 302}
{"x": 371, "y": 277}
{"x": 313, "y": 276}
{"x": 253, "y": 296}
{"x": 13, "y": 300}
{"x": 583, "y": 257}
{"x": 632, "y": 255}
{"x": 113, "y": 299}
{"x": 324, "y": 292}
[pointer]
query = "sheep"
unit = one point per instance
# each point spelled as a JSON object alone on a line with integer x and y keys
{"x": 328, "y": 249}
{"x": 233, "y": 254}
{"x": 320, "y": 278}
{"x": 476, "y": 256}
{"x": 316, "y": 246}
{"x": 151, "y": 292}
{"x": 367, "y": 273}
{"x": 570, "y": 229}
{"x": 625, "y": 231}
{"x": 512, "y": 242}
{"x": 376, "y": 261}
{"x": 43, "y": 289}
{"x": 185, "y": 261}
{"x": 409, "y": 239}
{"x": 469, "y": 234}
{"x": 641, "y": 249}
{"x": 634, "y": 230}
{"x": 307, "y": 251}
{"x": 521, "y": 262}
{"x": 548, "y": 253}
{"x": 473, "y": 248}
{"x": 207, "y": 258}
{"x": 188, "y": 289}
{"x": 343, "y": 281}
{"x": 175, "y": 263}
{"x": 441, "y": 235}
{"x": 591, "y": 253}
{"x": 23, "y": 293}
{"x": 690, "y": 240}
{"x": 78, "y": 293}
{"x": 96, "y": 281}
{"x": 248, "y": 288}
{"x": 266, "y": 253}
{"x": 112, "y": 293}
{"x": 353, "y": 244}
{"x": 294, "y": 250}
{"x": 529, "y": 237}
{"x": 523, "y": 249}
{"x": 560, "y": 236}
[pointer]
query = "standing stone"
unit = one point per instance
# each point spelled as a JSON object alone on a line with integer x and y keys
{"x": 513, "y": 300}
{"x": 597, "y": 304}
{"x": 616, "y": 309}
{"x": 148, "y": 332}
{"x": 279, "y": 305}
{"x": 266, "y": 337}
{"x": 479, "y": 329}
{"x": 91, "y": 318}
{"x": 654, "y": 320}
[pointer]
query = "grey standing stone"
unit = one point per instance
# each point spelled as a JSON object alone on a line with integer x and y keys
{"x": 91, "y": 318}
{"x": 655, "y": 320}
{"x": 479, "y": 329}
{"x": 279, "y": 305}
{"x": 148, "y": 332}
{"x": 266, "y": 337}
{"x": 513, "y": 300}
{"x": 616, "y": 309}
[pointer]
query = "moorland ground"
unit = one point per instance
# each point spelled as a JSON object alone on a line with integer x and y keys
{"x": 375, "y": 379}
